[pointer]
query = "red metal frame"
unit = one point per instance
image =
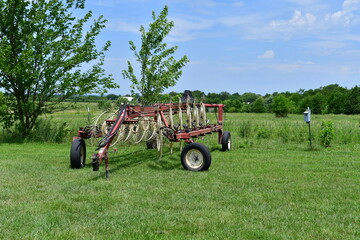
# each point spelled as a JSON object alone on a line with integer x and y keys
{"x": 130, "y": 114}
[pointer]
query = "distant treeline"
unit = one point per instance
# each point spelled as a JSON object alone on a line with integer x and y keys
{"x": 329, "y": 99}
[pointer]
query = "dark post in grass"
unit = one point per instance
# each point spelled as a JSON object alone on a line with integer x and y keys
{"x": 307, "y": 119}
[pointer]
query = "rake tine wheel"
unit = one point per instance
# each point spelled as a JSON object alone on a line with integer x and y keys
{"x": 92, "y": 140}
{"x": 98, "y": 125}
{"x": 104, "y": 125}
{"x": 195, "y": 114}
{"x": 153, "y": 132}
{"x": 180, "y": 120}
{"x": 188, "y": 112}
{"x": 171, "y": 120}
{"x": 129, "y": 133}
{"x": 144, "y": 129}
{"x": 180, "y": 115}
{"x": 159, "y": 139}
{"x": 171, "y": 116}
{"x": 193, "y": 123}
{"x": 97, "y": 119}
{"x": 203, "y": 114}
{"x": 120, "y": 134}
{"x": 134, "y": 131}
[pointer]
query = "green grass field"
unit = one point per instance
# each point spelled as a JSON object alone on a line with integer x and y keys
{"x": 270, "y": 186}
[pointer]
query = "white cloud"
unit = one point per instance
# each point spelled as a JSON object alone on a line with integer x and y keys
{"x": 321, "y": 45}
{"x": 305, "y": 63}
{"x": 351, "y": 5}
{"x": 188, "y": 28}
{"x": 297, "y": 21}
{"x": 121, "y": 26}
{"x": 281, "y": 68}
{"x": 238, "y": 4}
{"x": 348, "y": 70}
{"x": 233, "y": 21}
{"x": 268, "y": 54}
{"x": 346, "y": 15}
{"x": 260, "y": 27}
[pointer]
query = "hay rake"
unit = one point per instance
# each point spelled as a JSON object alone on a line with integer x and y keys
{"x": 151, "y": 124}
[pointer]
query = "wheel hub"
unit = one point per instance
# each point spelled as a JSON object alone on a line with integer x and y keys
{"x": 194, "y": 158}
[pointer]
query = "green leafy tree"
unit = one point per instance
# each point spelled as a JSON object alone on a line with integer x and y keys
{"x": 316, "y": 102}
{"x": 233, "y": 105}
{"x": 304, "y": 104}
{"x": 4, "y": 110}
{"x": 337, "y": 101}
{"x": 3, "y": 107}
{"x": 353, "y": 101}
{"x": 111, "y": 97}
{"x": 174, "y": 96}
{"x": 268, "y": 99}
{"x": 249, "y": 97}
{"x": 43, "y": 49}
{"x": 281, "y": 106}
{"x": 159, "y": 70}
{"x": 198, "y": 95}
{"x": 213, "y": 98}
{"x": 258, "y": 106}
{"x": 224, "y": 96}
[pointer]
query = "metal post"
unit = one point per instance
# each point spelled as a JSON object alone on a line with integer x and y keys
{"x": 310, "y": 135}
{"x": 307, "y": 119}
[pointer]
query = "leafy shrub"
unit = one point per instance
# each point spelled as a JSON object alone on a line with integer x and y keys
{"x": 326, "y": 133}
{"x": 264, "y": 133}
{"x": 104, "y": 105}
{"x": 258, "y": 106}
{"x": 281, "y": 106}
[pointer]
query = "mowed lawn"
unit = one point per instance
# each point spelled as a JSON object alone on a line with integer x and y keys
{"x": 269, "y": 186}
{"x": 260, "y": 192}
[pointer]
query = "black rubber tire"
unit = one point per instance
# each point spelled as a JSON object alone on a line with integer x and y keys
{"x": 78, "y": 154}
{"x": 196, "y": 157}
{"x": 226, "y": 141}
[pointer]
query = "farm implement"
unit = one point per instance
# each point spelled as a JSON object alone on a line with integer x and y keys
{"x": 151, "y": 124}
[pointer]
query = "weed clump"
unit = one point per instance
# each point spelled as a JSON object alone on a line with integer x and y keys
{"x": 246, "y": 129}
{"x": 326, "y": 133}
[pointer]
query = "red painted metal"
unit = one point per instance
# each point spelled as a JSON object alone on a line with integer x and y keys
{"x": 130, "y": 114}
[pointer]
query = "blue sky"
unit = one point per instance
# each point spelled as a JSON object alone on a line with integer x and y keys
{"x": 244, "y": 46}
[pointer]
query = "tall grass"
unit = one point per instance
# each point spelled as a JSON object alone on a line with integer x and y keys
{"x": 251, "y": 128}
{"x": 58, "y": 127}
{"x": 246, "y": 128}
